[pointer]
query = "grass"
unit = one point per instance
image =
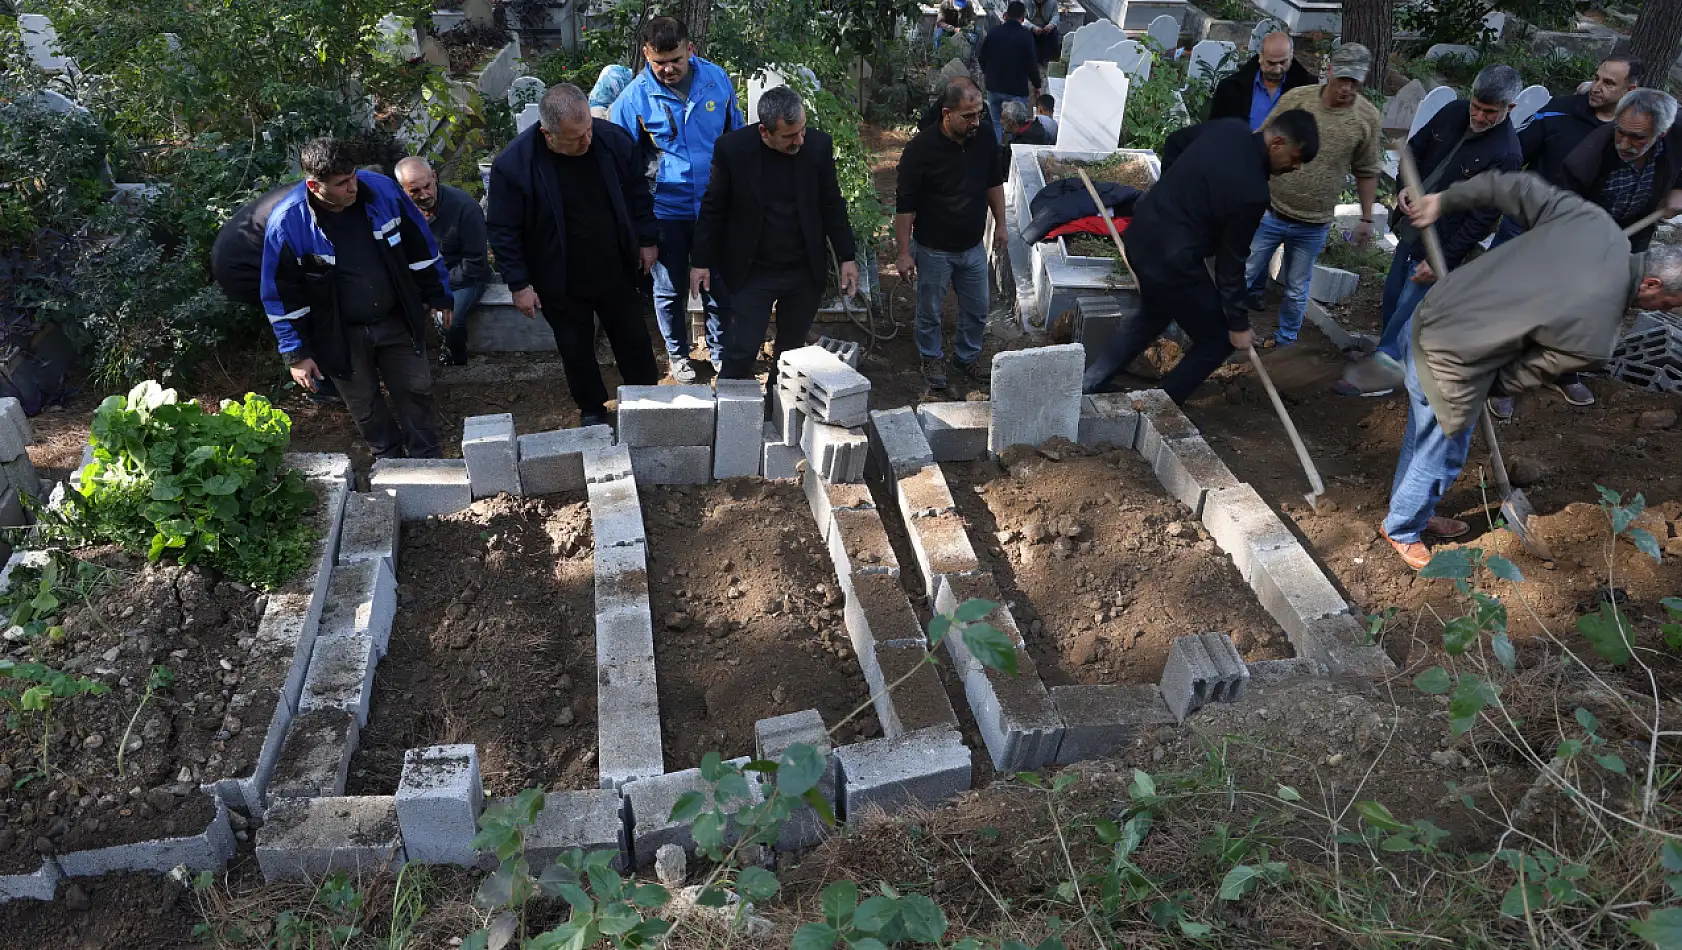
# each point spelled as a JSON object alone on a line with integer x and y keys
{"x": 1368, "y": 261}
{"x": 1128, "y": 170}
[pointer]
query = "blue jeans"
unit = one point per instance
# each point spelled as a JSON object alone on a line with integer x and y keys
{"x": 995, "y": 103}
{"x": 966, "y": 272}
{"x": 1401, "y": 297}
{"x": 466, "y": 298}
{"x": 671, "y": 294}
{"x": 1303, "y": 244}
{"x": 1508, "y": 230}
{"x": 1430, "y": 460}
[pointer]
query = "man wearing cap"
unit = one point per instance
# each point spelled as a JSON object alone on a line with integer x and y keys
{"x": 1302, "y": 205}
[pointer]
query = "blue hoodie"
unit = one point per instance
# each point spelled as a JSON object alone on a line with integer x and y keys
{"x": 684, "y": 131}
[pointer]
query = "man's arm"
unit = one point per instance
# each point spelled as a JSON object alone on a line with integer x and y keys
{"x": 1231, "y": 253}
{"x": 285, "y": 298}
{"x": 475, "y": 266}
{"x": 1177, "y": 143}
{"x": 504, "y": 225}
{"x": 996, "y": 201}
{"x": 1527, "y": 199}
{"x": 426, "y": 262}
{"x": 623, "y": 115}
{"x": 1478, "y": 223}
{"x": 715, "y": 206}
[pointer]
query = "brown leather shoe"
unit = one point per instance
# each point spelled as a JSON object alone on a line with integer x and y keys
{"x": 1447, "y": 528}
{"x": 1415, "y": 553}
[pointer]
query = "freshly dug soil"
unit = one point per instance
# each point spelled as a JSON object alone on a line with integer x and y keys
{"x": 747, "y": 617}
{"x": 494, "y": 644}
{"x": 1105, "y": 569}
{"x": 1121, "y": 169}
{"x": 207, "y": 723}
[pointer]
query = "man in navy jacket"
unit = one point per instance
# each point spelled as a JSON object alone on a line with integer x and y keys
{"x": 571, "y": 223}
{"x": 1010, "y": 63}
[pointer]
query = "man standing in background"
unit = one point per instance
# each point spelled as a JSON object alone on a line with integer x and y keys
{"x": 1252, "y": 92}
{"x": 676, "y": 109}
{"x": 458, "y": 225}
{"x": 1009, "y": 64}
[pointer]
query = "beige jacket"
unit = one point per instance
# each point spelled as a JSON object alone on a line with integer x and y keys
{"x": 1548, "y": 302}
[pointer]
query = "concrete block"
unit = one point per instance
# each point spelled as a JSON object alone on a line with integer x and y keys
{"x": 954, "y": 591}
{"x": 1187, "y": 676}
{"x": 489, "y": 449}
{"x": 424, "y": 487}
{"x": 779, "y": 459}
{"x": 370, "y": 531}
{"x": 1332, "y": 285}
{"x": 1296, "y": 593}
{"x": 1036, "y": 395}
{"x": 361, "y": 600}
{"x": 672, "y": 464}
{"x": 439, "y": 797}
{"x": 1231, "y": 675}
{"x": 621, "y": 578}
{"x": 341, "y": 674}
{"x": 615, "y": 512}
{"x": 919, "y": 700}
{"x": 651, "y": 801}
{"x": 1189, "y": 468}
{"x": 13, "y": 443}
{"x": 334, "y": 466}
{"x": 837, "y": 454}
{"x": 957, "y": 431}
{"x": 826, "y": 498}
{"x": 209, "y": 850}
{"x": 39, "y": 885}
{"x": 554, "y": 461}
{"x": 315, "y": 759}
{"x": 627, "y": 699}
{"x": 845, "y": 351}
{"x": 609, "y": 464}
{"x": 11, "y": 412}
{"x": 304, "y": 840}
{"x": 290, "y": 626}
{"x": 593, "y": 820}
{"x": 786, "y": 415}
{"x": 1018, "y": 721}
{"x": 1366, "y": 662}
{"x": 1159, "y": 420}
{"x": 665, "y": 415}
{"x": 828, "y": 390}
{"x": 858, "y": 542}
{"x": 924, "y": 494}
{"x": 12, "y": 512}
{"x": 1338, "y": 642}
{"x": 1103, "y": 721}
{"x": 1268, "y": 673}
{"x": 738, "y": 438}
{"x": 1109, "y": 419}
{"x": 1244, "y": 525}
{"x": 20, "y": 474}
{"x": 942, "y": 546}
{"x": 897, "y": 442}
{"x": 878, "y": 612}
{"x": 1096, "y": 320}
{"x": 921, "y": 769}
{"x": 772, "y": 737}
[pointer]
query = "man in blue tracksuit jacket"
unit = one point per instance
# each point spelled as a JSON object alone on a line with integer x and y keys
{"x": 350, "y": 279}
{"x": 678, "y": 107}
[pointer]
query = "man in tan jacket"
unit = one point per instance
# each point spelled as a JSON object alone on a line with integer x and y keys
{"x": 1548, "y": 302}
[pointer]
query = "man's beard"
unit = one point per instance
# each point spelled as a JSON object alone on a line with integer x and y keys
{"x": 427, "y": 204}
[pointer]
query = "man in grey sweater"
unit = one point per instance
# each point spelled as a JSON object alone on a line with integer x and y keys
{"x": 458, "y": 225}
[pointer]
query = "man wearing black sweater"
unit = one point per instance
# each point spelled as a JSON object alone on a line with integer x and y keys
{"x": 458, "y": 225}
{"x": 1213, "y": 191}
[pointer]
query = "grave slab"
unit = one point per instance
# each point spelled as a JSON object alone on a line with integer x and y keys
{"x": 489, "y": 449}
{"x": 1036, "y": 396}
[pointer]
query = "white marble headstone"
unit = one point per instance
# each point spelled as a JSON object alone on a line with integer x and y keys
{"x": 397, "y": 37}
{"x": 1206, "y": 60}
{"x": 527, "y": 118}
{"x": 1093, "y": 41}
{"x": 41, "y": 41}
{"x": 1261, "y": 30}
{"x": 479, "y": 12}
{"x": 1529, "y": 101}
{"x": 770, "y": 79}
{"x": 1450, "y": 51}
{"x": 525, "y": 89}
{"x": 55, "y": 102}
{"x": 1166, "y": 31}
{"x": 1401, "y": 107}
{"x": 1133, "y": 59}
{"x": 1430, "y": 106}
{"x": 1096, "y": 98}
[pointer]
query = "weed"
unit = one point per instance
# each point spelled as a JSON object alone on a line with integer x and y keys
{"x": 159, "y": 679}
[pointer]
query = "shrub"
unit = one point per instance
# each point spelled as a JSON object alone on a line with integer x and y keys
{"x": 169, "y": 478}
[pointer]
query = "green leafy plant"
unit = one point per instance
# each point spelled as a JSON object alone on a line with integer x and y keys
{"x": 169, "y": 478}
{"x": 38, "y": 688}
{"x": 159, "y": 679}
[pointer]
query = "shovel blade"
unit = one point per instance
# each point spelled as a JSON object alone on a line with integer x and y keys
{"x": 1517, "y": 512}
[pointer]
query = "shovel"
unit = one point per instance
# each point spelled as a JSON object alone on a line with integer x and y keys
{"x": 1516, "y": 509}
{"x": 1314, "y": 482}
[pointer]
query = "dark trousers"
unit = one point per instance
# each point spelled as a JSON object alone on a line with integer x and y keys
{"x": 1192, "y": 303}
{"x": 796, "y": 300}
{"x": 387, "y": 352}
{"x": 573, "y": 320}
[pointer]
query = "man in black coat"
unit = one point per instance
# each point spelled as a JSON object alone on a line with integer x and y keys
{"x": 1213, "y": 191}
{"x": 571, "y": 223}
{"x": 1565, "y": 121}
{"x": 1252, "y": 92}
{"x": 771, "y": 202}
{"x": 1632, "y": 166}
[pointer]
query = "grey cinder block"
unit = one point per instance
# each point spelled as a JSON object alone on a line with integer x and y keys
{"x": 1109, "y": 419}
{"x": 954, "y": 591}
{"x": 609, "y": 464}
{"x": 836, "y": 453}
{"x": 1189, "y": 468}
{"x": 554, "y": 461}
{"x": 39, "y": 885}
{"x": 1244, "y": 525}
{"x": 1294, "y": 591}
{"x": 1188, "y": 676}
{"x": 878, "y": 612}
{"x": 488, "y": 448}
{"x": 304, "y": 840}
{"x": 593, "y": 819}
{"x": 370, "y": 531}
{"x": 1018, "y": 721}
{"x": 665, "y": 415}
{"x": 738, "y": 440}
{"x": 208, "y": 850}
{"x": 826, "y": 497}
{"x": 341, "y": 674}
{"x": 1100, "y": 721}
{"x": 627, "y": 699}
{"x": 361, "y": 599}
{"x": 824, "y": 387}
{"x": 924, "y": 493}
{"x": 651, "y": 801}
{"x": 780, "y": 459}
{"x": 858, "y": 541}
{"x": 919, "y": 701}
{"x": 1231, "y": 675}
{"x": 1036, "y": 396}
{"x": 424, "y": 486}
{"x": 898, "y": 442}
{"x": 957, "y": 431}
{"x": 921, "y": 769}
{"x": 942, "y": 546}
{"x": 1159, "y": 420}
{"x": 438, "y": 800}
{"x": 846, "y": 351}
{"x": 315, "y": 758}
{"x": 1332, "y": 284}
{"x": 772, "y": 738}
{"x": 615, "y": 512}
{"x": 672, "y": 464}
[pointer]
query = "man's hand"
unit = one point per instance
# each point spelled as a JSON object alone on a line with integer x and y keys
{"x": 849, "y": 278}
{"x": 1403, "y": 202}
{"x": 1423, "y": 274}
{"x": 1001, "y": 239}
{"x": 907, "y": 266}
{"x": 445, "y": 317}
{"x": 1241, "y": 339}
{"x": 305, "y": 373}
{"x": 525, "y": 301}
{"x": 1362, "y": 235}
{"x": 700, "y": 280}
{"x": 646, "y": 258}
{"x": 1425, "y": 211}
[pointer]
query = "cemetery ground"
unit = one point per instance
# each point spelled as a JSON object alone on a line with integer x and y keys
{"x": 995, "y": 858}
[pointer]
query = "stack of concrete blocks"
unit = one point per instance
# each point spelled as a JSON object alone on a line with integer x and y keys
{"x": 772, "y": 738}
{"x": 305, "y": 839}
{"x": 1036, "y": 396}
{"x": 957, "y": 431}
{"x": 1202, "y": 668}
{"x": 489, "y": 448}
{"x": 846, "y": 351}
{"x": 821, "y": 404}
{"x": 627, "y": 695}
{"x": 652, "y": 799}
{"x": 1332, "y": 285}
{"x": 424, "y": 487}
{"x": 1185, "y": 464}
{"x": 439, "y": 797}
{"x": 1096, "y": 320}
{"x": 669, "y": 431}
{"x": 739, "y": 439}
{"x": 21, "y": 478}
{"x": 1651, "y": 357}
{"x": 553, "y": 462}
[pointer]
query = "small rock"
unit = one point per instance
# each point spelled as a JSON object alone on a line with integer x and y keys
{"x": 185, "y": 775}
{"x": 499, "y": 711}
{"x": 75, "y": 898}
{"x": 1656, "y": 419}
{"x": 779, "y": 695}
{"x": 93, "y": 741}
{"x": 1035, "y": 533}
{"x": 1069, "y": 528}
{"x": 670, "y": 865}
{"x": 677, "y": 620}
{"x": 238, "y": 820}
{"x": 1175, "y": 529}
{"x": 1524, "y": 470}
{"x": 564, "y": 717}
{"x": 1445, "y": 758}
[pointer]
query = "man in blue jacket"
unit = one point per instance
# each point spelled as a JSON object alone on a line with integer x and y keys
{"x": 349, "y": 272}
{"x": 676, "y": 109}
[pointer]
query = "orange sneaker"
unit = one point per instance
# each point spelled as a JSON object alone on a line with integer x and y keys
{"x": 1415, "y": 553}
{"x": 1447, "y": 528}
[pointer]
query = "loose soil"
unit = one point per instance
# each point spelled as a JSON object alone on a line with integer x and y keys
{"x": 747, "y": 617}
{"x": 1104, "y": 568}
{"x": 1122, "y": 170}
{"x": 206, "y": 725}
{"x": 494, "y": 644}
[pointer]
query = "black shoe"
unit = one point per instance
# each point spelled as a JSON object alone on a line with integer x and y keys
{"x": 449, "y": 357}
{"x": 595, "y": 419}
{"x": 934, "y": 375}
{"x": 976, "y": 372}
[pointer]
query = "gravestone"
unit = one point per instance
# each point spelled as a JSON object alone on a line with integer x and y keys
{"x": 433, "y": 52}
{"x": 1166, "y": 31}
{"x": 1260, "y": 31}
{"x": 479, "y": 12}
{"x": 1133, "y": 59}
{"x": 527, "y": 118}
{"x": 41, "y": 42}
{"x": 1451, "y": 51}
{"x": 397, "y": 37}
{"x": 1404, "y": 105}
{"x": 525, "y": 90}
{"x": 1068, "y": 44}
{"x": 1206, "y": 59}
{"x": 771, "y": 79}
{"x": 55, "y": 102}
{"x": 1093, "y": 41}
{"x": 1532, "y": 99}
{"x": 1095, "y": 98}
{"x": 1433, "y": 102}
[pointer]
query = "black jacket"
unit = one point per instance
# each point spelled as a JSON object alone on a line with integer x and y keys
{"x": 727, "y": 233}
{"x": 459, "y": 229}
{"x": 1066, "y": 199}
{"x": 1494, "y": 150}
{"x": 1584, "y": 171}
{"x": 236, "y": 259}
{"x": 525, "y": 222}
{"x": 1554, "y": 131}
{"x": 1231, "y": 98}
{"x": 1009, "y": 59}
{"x": 1213, "y": 191}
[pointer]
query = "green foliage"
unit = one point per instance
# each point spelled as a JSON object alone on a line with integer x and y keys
{"x": 1448, "y": 21}
{"x": 1559, "y": 71}
{"x": 1152, "y": 114}
{"x": 1201, "y": 86}
{"x": 331, "y": 917}
{"x": 169, "y": 478}
{"x": 51, "y": 165}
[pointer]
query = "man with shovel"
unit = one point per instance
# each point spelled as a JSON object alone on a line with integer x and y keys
{"x": 1548, "y": 302}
